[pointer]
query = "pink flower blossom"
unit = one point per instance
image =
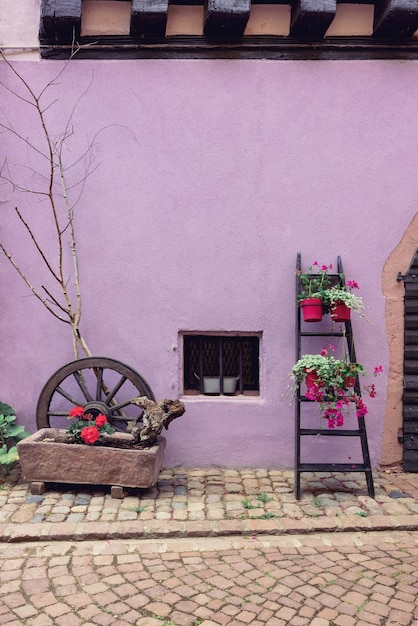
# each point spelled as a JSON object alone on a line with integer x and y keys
{"x": 371, "y": 390}
{"x": 361, "y": 408}
{"x": 352, "y": 284}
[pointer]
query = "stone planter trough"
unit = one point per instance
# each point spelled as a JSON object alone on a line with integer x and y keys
{"x": 44, "y": 460}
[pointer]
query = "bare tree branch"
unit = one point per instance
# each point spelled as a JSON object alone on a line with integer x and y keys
{"x": 63, "y": 307}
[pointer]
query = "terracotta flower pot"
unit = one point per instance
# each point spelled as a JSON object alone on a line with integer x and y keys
{"x": 340, "y": 312}
{"x": 312, "y": 309}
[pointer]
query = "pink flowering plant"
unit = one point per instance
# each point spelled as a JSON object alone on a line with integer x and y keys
{"x": 315, "y": 281}
{"x": 344, "y": 294}
{"x": 333, "y": 387}
{"x": 88, "y": 429}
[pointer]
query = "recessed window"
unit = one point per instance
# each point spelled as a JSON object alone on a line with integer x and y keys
{"x": 221, "y": 364}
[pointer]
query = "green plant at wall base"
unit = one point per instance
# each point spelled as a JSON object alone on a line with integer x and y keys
{"x": 10, "y": 434}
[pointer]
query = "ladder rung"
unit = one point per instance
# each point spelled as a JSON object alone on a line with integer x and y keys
{"x": 331, "y": 433}
{"x": 333, "y": 334}
{"x": 333, "y": 467}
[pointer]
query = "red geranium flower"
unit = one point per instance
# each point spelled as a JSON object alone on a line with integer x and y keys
{"x": 76, "y": 411}
{"x": 90, "y": 434}
{"x": 100, "y": 420}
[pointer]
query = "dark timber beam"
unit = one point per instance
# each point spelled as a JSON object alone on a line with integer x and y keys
{"x": 226, "y": 17}
{"x": 61, "y": 20}
{"x": 149, "y": 18}
{"x": 310, "y": 19}
{"x": 395, "y": 18}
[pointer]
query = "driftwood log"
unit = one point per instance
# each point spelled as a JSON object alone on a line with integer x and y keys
{"x": 156, "y": 416}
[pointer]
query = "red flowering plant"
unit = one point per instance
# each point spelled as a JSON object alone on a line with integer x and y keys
{"x": 88, "y": 429}
{"x": 337, "y": 394}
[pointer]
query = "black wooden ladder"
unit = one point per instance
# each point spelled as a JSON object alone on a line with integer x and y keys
{"x": 360, "y": 432}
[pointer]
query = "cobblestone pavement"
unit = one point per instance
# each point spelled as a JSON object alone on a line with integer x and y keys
{"x": 339, "y": 579}
{"x": 208, "y": 502}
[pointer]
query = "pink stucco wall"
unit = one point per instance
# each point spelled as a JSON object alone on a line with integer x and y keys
{"x": 211, "y": 176}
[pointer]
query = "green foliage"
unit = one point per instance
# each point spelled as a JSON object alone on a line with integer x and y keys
{"x": 6, "y": 409}
{"x": 268, "y": 515}
{"x": 325, "y": 366}
{"x": 248, "y": 505}
{"x": 342, "y": 294}
{"x": 10, "y": 434}
{"x": 135, "y": 509}
{"x": 264, "y": 497}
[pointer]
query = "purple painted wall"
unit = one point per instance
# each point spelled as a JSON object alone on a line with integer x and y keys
{"x": 212, "y": 175}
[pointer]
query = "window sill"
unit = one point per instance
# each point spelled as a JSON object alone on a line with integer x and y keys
{"x": 250, "y": 396}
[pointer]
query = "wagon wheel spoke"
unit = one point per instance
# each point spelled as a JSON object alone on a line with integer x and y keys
{"x": 119, "y": 406}
{"x": 57, "y": 414}
{"x": 107, "y": 387}
{"x": 99, "y": 376}
{"x": 69, "y": 397}
{"x": 114, "y": 391}
{"x": 81, "y": 383}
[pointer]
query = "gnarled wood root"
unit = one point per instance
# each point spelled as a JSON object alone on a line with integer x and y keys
{"x": 156, "y": 416}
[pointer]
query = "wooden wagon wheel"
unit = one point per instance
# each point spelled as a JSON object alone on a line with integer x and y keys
{"x": 98, "y": 384}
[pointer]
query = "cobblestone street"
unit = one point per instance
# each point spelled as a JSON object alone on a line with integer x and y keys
{"x": 342, "y": 579}
{"x": 218, "y": 500}
{"x": 212, "y": 548}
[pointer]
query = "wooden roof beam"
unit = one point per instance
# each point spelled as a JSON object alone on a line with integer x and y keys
{"x": 310, "y": 19}
{"x": 61, "y": 20}
{"x": 226, "y": 17}
{"x": 395, "y": 19}
{"x": 149, "y": 18}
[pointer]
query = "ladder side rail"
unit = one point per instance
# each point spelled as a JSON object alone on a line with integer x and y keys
{"x": 357, "y": 388}
{"x": 297, "y": 399}
{"x": 348, "y": 327}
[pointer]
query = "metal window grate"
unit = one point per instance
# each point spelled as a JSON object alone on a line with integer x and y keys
{"x": 221, "y": 358}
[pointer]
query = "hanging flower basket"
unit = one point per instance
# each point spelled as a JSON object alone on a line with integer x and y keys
{"x": 340, "y": 312}
{"x": 312, "y": 309}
